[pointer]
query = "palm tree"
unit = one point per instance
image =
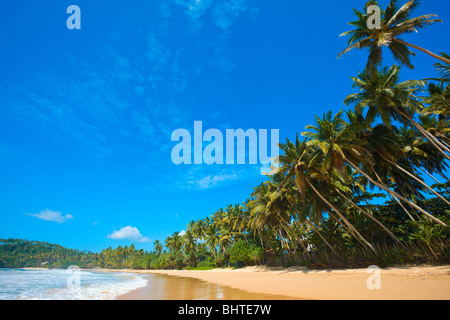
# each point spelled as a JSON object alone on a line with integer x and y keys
{"x": 271, "y": 208}
{"x": 333, "y": 135}
{"x": 391, "y": 99}
{"x": 443, "y": 70}
{"x": 303, "y": 162}
{"x": 395, "y": 22}
{"x": 212, "y": 238}
{"x": 174, "y": 242}
{"x": 438, "y": 99}
{"x": 199, "y": 229}
{"x": 420, "y": 153}
{"x": 158, "y": 247}
{"x": 189, "y": 246}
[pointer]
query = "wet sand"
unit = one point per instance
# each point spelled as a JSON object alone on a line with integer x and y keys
{"x": 400, "y": 283}
{"x": 164, "y": 287}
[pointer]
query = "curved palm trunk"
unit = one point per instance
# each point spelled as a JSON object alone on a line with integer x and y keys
{"x": 346, "y": 228}
{"x": 438, "y": 144}
{"x": 434, "y": 141}
{"x": 316, "y": 231}
{"x": 398, "y": 201}
{"x": 402, "y": 206}
{"x": 341, "y": 216}
{"x": 374, "y": 219}
{"x": 416, "y": 179}
{"x": 423, "y": 50}
{"x": 278, "y": 233}
{"x": 445, "y": 144}
{"x": 443, "y": 176}
{"x": 301, "y": 242}
{"x": 393, "y": 193}
{"x": 432, "y": 177}
{"x": 321, "y": 237}
{"x": 260, "y": 238}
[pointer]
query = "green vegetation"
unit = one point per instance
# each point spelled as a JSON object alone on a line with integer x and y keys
{"x": 354, "y": 190}
{"x": 16, "y": 253}
{"x": 325, "y": 199}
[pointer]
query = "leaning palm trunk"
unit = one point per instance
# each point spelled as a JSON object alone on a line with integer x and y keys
{"x": 445, "y": 144}
{"x": 393, "y": 193}
{"x": 321, "y": 237}
{"x": 278, "y": 234}
{"x": 430, "y": 175}
{"x": 402, "y": 206}
{"x": 301, "y": 242}
{"x": 341, "y": 216}
{"x": 423, "y": 50}
{"x": 434, "y": 141}
{"x": 417, "y": 179}
{"x": 443, "y": 176}
{"x": 316, "y": 231}
{"x": 398, "y": 201}
{"x": 374, "y": 219}
{"x": 331, "y": 214}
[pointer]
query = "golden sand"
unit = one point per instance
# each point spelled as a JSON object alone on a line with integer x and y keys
{"x": 399, "y": 283}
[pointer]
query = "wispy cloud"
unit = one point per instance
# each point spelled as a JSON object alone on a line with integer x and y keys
{"x": 222, "y": 13}
{"x": 225, "y": 12}
{"x": 203, "y": 177}
{"x": 49, "y": 215}
{"x": 95, "y": 108}
{"x": 128, "y": 233}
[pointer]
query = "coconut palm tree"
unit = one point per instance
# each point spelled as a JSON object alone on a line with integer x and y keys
{"x": 421, "y": 154}
{"x": 212, "y": 238}
{"x": 199, "y": 229}
{"x": 386, "y": 96}
{"x": 174, "y": 242}
{"x": 332, "y": 135}
{"x": 443, "y": 70}
{"x": 438, "y": 101}
{"x": 395, "y": 22}
{"x": 158, "y": 247}
{"x": 303, "y": 162}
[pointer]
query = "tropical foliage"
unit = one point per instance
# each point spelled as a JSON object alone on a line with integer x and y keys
{"x": 368, "y": 177}
{"x": 17, "y": 253}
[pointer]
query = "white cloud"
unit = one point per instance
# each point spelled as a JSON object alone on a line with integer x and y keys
{"x": 182, "y": 233}
{"x": 224, "y": 12}
{"x": 128, "y": 233}
{"x": 49, "y": 215}
{"x": 211, "y": 181}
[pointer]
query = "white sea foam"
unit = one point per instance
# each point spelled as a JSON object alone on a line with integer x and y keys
{"x": 19, "y": 284}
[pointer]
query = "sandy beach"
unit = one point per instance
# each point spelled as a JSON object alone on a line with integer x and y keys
{"x": 399, "y": 283}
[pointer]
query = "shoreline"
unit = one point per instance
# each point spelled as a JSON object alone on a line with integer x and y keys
{"x": 397, "y": 283}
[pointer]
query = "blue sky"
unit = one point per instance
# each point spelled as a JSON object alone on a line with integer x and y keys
{"x": 86, "y": 116}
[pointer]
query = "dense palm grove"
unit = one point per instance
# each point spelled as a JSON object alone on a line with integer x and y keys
{"x": 372, "y": 174}
{"x": 371, "y": 177}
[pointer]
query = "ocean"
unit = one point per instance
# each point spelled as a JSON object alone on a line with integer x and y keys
{"x": 71, "y": 284}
